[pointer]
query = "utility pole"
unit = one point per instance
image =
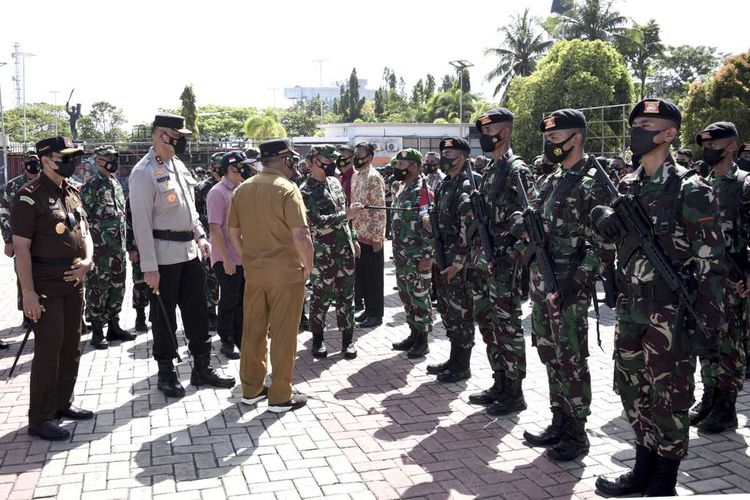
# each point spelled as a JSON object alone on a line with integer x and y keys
{"x": 461, "y": 66}
{"x": 20, "y": 79}
{"x": 320, "y": 69}
{"x": 3, "y": 135}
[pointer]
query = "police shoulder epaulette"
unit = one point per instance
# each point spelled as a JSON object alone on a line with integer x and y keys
{"x": 32, "y": 186}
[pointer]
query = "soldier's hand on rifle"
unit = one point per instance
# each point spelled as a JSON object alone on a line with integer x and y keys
{"x": 133, "y": 256}
{"x": 552, "y": 298}
{"x": 425, "y": 264}
{"x": 450, "y": 272}
{"x": 32, "y": 308}
{"x": 354, "y": 211}
{"x": 607, "y": 223}
{"x": 9, "y": 252}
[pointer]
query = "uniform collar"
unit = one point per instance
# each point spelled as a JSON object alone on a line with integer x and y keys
{"x": 730, "y": 175}
{"x": 50, "y": 184}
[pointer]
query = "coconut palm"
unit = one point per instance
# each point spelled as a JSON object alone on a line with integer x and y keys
{"x": 523, "y": 44}
{"x": 590, "y": 20}
{"x": 446, "y": 105}
{"x": 264, "y": 126}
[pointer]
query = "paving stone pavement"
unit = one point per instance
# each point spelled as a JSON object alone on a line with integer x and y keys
{"x": 375, "y": 427}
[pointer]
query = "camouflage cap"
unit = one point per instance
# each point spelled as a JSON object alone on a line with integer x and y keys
{"x": 410, "y": 154}
{"x": 105, "y": 150}
{"x": 393, "y": 161}
{"x": 325, "y": 150}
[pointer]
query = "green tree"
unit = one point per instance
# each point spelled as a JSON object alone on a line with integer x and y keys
{"x": 303, "y": 117}
{"x": 448, "y": 83}
{"x": 679, "y": 66}
{"x": 429, "y": 86}
{"x": 723, "y": 97}
{"x": 522, "y": 46}
{"x": 188, "y": 109}
{"x": 641, "y": 52}
{"x": 107, "y": 119}
{"x": 574, "y": 74}
{"x": 446, "y": 105}
{"x": 264, "y": 125}
{"x": 350, "y": 103}
{"x": 42, "y": 120}
{"x": 219, "y": 123}
{"x": 588, "y": 20}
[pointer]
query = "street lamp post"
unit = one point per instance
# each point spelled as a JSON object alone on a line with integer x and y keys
{"x": 24, "y": 55}
{"x": 460, "y": 66}
{"x": 320, "y": 88}
{"x": 3, "y": 136}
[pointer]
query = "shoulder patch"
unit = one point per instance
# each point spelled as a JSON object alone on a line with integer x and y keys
{"x": 28, "y": 200}
{"x": 31, "y": 186}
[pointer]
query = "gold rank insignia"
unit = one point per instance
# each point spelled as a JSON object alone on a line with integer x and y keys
{"x": 59, "y": 228}
{"x": 484, "y": 120}
{"x": 51, "y": 200}
{"x": 171, "y": 198}
{"x": 448, "y": 143}
{"x": 651, "y": 107}
{"x": 558, "y": 151}
{"x": 549, "y": 122}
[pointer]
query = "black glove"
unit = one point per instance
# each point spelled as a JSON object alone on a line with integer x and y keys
{"x": 607, "y": 223}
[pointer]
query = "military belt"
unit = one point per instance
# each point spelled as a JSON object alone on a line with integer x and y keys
{"x": 166, "y": 234}
{"x": 659, "y": 293}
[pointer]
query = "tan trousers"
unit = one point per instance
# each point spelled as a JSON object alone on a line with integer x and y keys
{"x": 279, "y": 308}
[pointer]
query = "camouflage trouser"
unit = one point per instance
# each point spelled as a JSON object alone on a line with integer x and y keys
{"x": 563, "y": 349}
{"x": 484, "y": 314}
{"x": 141, "y": 291}
{"x": 212, "y": 284}
{"x": 414, "y": 291}
{"x": 332, "y": 279}
{"x": 457, "y": 309}
{"x": 728, "y": 372}
{"x": 507, "y": 309}
{"x": 105, "y": 285}
{"x": 654, "y": 378}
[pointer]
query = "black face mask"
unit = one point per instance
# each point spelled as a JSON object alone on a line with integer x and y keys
{"x": 713, "y": 156}
{"x": 430, "y": 168}
{"x": 329, "y": 169}
{"x": 360, "y": 162}
{"x": 67, "y": 167}
{"x": 32, "y": 166}
{"x": 642, "y": 141}
{"x": 179, "y": 145}
{"x": 446, "y": 164}
{"x": 546, "y": 167}
{"x": 111, "y": 166}
{"x": 490, "y": 142}
{"x": 399, "y": 174}
{"x": 743, "y": 164}
{"x": 683, "y": 163}
{"x": 554, "y": 150}
{"x": 343, "y": 162}
{"x": 292, "y": 165}
{"x": 246, "y": 172}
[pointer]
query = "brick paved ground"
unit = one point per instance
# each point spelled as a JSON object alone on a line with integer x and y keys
{"x": 377, "y": 426}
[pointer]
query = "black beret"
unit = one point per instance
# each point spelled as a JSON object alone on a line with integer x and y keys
{"x": 252, "y": 153}
{"x": 656, "y": 108}
{"x": 495, "y": 115}
{"x": 367, "y": 145}
{"x": 175, "y": 122}
{"x": 62, "y": 145}
{"x": 345, "y": 147}
{"x": 718, "y": 130}
{"x": 274, "y": 148}
{"x": 563, "y": 119}
{"x": 455, "y": 143}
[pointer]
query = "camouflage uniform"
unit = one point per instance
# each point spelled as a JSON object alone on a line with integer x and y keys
{"x": 11, "y": 189}
{"x": 212, "y": 283}
{"x": 141, "y": 291}
{"x": 104, "y": 202}
{"x": 653, "y": 365}
{"x": 333, "y": 261}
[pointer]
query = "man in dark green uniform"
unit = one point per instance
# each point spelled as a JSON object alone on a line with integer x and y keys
{"x": 201, "y": 194}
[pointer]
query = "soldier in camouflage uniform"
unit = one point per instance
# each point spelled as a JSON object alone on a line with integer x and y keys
{"x": 335, "y": 247}
{"x": 654, "y": 351}
{"x": 141, "y": 290}
{"x": 412, "y": 249}
{"x": 497, "y": 291}
{"x": 201, "y": 193}
{"x": 104, "y": 202}
{"x": 724, "y": 377}
{"x": 454, "y": 282}
{"x": 560, "y": 320}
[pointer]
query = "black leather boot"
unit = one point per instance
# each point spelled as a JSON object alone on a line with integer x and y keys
{"x": 512, "y": 400}
{"x": 552, "y": 434}
{"x": 140, "y": 320}
{"x": 723, "y": 417}
{"x": 229, "y": 350}
{"x": 703, "y": 408}
{"x": 405, "y": 344}
{"x": 441, "y": 367}
{"x": 97, "y": 337}
{"x": 204, "y": 374}
{"x": 574, "y": 442}
{"x": 460, "y": 370}
{"x": 489, "y": 396}
{"x": 212, "y": 319}
{"x": 665, "y": 479}
{"x": 114, "y": 332}
{"x": 318, "y": 346}
{"x": 633, "y": 481}
{"x": 420, "y": 347}
{"x": 347, "y": 344}
{"x": 167, "y": 381}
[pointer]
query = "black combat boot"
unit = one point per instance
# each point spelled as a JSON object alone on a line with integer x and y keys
{"x": 318, "y": 346}
{"x": 552, "y": 434}
{"x": 405, "y": 344}
{"x": 574, "y": 441}
{"x": 167, "y": 381}
{"x": 633, "y": 481}
{"x": 703, "y": 408}
{"x": 512, "y": 400}
{"x": 212, "y": 319}
{"x": 347, "y": 344}
{"x": 664, "y": 479}
{"x": 140, "y": 320}
{"x": 420, "y": 347}
{"x": 461, "y": 368}
{"x": 228, "y": 349}
{"x": 441, "y": 367}
{"x": 114, "y": 332}
{"x": 97, "y": 337}
{"x": 204, "y": 374}
{"x": 489, "y": 396}
{"x": 723, "y": 417}
{"x": 304, "y": 323}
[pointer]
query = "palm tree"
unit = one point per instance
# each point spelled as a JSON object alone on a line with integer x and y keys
{"x": 446, "y": 105}
{"x": 590, "y": 20}
{"x": 264, "y": 126}
{"x": 523, "y": 45}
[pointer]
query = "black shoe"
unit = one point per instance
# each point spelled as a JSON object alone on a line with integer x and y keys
{"x": 371, "y": 322}
{"x": 4, "y": 344}
{"x": 204, "y": 374}
{"x": 298, "y": 401}
{"x": 256, "y": 399}
{"x": 552, "y": 434}
{"x": 114, "y": 332}
{"x": 229, "y": 350}
{"x": 664, "y": 479}
{"x": 97, "y": 338}
{"x": 140, "y": 320}
{"x": 441, "y": 367}
{"x": 212, "y": 319}
{"x": 304, "y": 325}
{"x": 460, "y": 370}
{"x": 48, "y": 430}
{"x": 703, "y": 408}
{"x": 633, "y": 481}
{"x": 361, "y": 317}
{"x": 359, "y": 306}
{"x": 489, "y": 396}
{"x": 405, "y": 344}
{"x": 420, "y": 347}
{"x": 75, "y": 413}
{"x": 511, "y": 401}
{"x": 574, "y": 442}
{"x": 723, "y": 417}
{"x": 167, "y": 381}
{"x": 318, "y": 346}
{"x": 347, "y": 345}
